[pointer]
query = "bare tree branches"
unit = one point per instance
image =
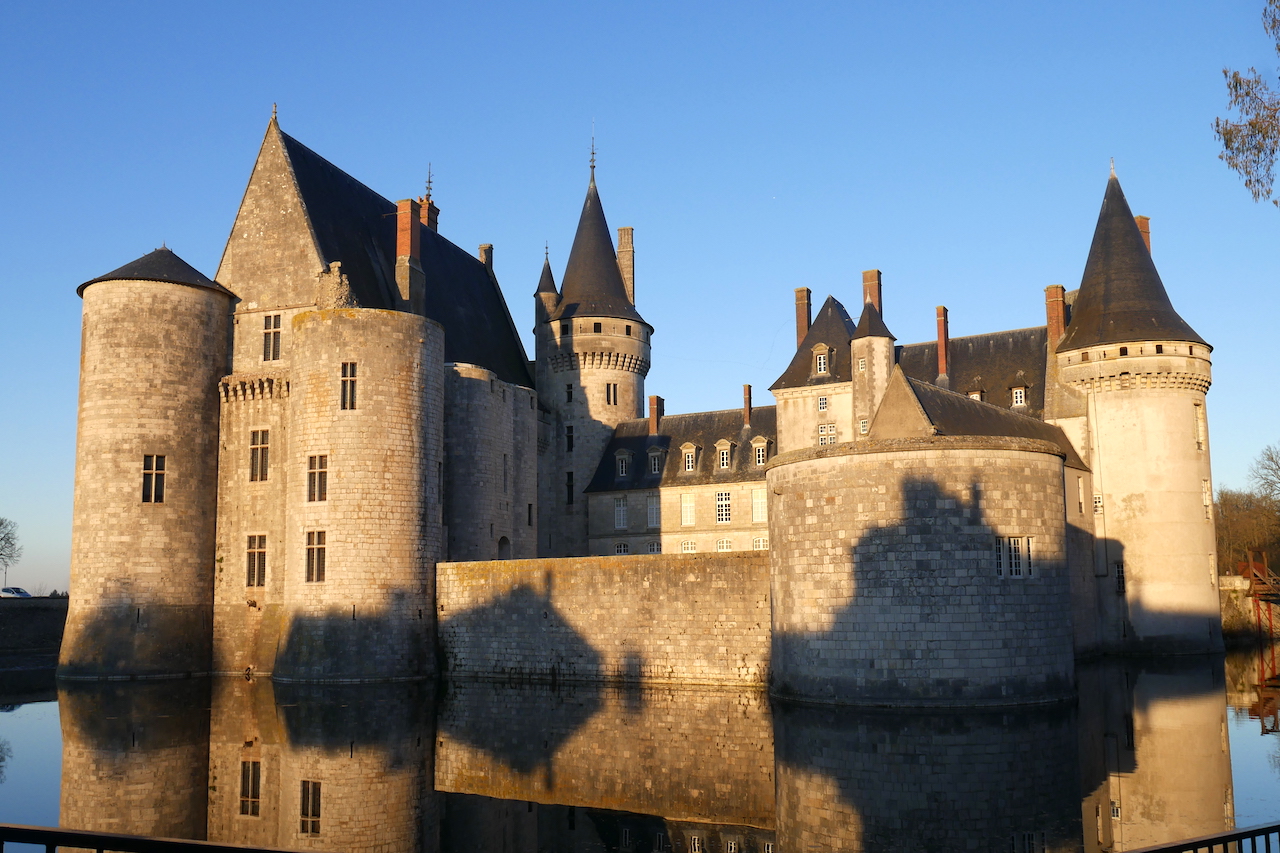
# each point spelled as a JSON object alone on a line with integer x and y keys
{"x": 1244, "y": 521}
{"x": 10, "y": 550}
{"x": 1250, "y": 146}
{"x": 1264, "y": 473}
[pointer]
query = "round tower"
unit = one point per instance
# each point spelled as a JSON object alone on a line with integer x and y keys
{"x": 1142, "y": 374}
{"x": 362, "y": 516}
{"x": 153, "y": 347}
{"x": 592, "y": 358}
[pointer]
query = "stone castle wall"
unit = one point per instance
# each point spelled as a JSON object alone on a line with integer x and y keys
{"x": 885, "y": 587}
{"x": 142, "y": 573}
{"x": 490, "y": 466}
{"x": 700, "y": 619}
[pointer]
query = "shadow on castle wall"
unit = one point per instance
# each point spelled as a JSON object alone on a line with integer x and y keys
{"x": 357, "y": 643}
{"x": 147, "y": 640}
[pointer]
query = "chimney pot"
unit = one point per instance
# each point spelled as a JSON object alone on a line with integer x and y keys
{"x": 656, "y": 407}
{"x": 746, "y": 405}
{"x": 944, "y": 348}
{"x": 1144, "y": 225}
{"x": 804, "y": 314}
{"x": 871, "y": 289}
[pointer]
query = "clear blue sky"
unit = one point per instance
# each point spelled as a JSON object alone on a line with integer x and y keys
{"x": 962, "y": 148}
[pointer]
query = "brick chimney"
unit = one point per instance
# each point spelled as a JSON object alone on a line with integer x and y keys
{"x": 1144, "y": 225}
{"x": 486, "y": 256}
{"x": 410, "y": 280}
{"x": 871, "y": 291}
{"x": 1055, "y": 312}
{"x": 746, "y": 405}
{"x": 627, "y": 260}
{"x": 430, "y": 213}
{"x": 655, "y": 413}
{"x": 944, "y": 348}
{"x": 804, "y": 314}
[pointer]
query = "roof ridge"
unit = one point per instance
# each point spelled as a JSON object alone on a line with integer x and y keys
{"x": 953, "y": 339}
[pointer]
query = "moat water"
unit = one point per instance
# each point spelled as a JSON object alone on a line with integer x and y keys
{"x": 1150, "y": 751}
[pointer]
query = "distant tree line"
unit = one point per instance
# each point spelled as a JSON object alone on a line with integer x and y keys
{"x": 1249, "y": 519}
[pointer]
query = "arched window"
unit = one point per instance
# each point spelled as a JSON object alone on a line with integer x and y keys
{"x": 504, "y": 548}
{"x": 724, "y": 544}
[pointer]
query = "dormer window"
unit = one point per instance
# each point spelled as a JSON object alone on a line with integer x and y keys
{"x": 760, "y": 449}
{"x": 655, "y": 462}
{"x": 724, "y": 454}
{"x": 690, "y": 453}
{"x": 689, "y": 462}
{"x": 1019, "y": 396}
{"x": 724, "y": 458}
{"x": 975, "y": 395}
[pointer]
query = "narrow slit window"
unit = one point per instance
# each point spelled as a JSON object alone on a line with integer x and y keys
{"x": 259, "y": 441}
{"x": 611, "y": 393}
{"x": 568, "y": 439}
{"x": 257, "y": 561}
{"x": 153, "y": 474}
{"x": 1119, "y": 578}
{"x": 348, "y": 385}
{"x": 568, "y": 487}
{"x": 271, "y": 337}
{"x": 310, "y": 824}
{"x": 317, "y": 478}
{"x": 251, "y": 788}
{"x": 999, "y": 556}
{"x": 315, "y": 556}
{"x": 1015, "y": 557}
{"x": 1202, "y": 427}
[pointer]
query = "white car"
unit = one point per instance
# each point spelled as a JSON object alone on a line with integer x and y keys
{"x": 14, "y": 592}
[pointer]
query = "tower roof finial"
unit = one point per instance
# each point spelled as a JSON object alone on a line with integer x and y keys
{"x": 593, "y": 152}
{"x": 273, "y": 111}
{"x": 1113, "y": 167}
{"x": 546, "y": 251}
{"x": 428, "y": 182}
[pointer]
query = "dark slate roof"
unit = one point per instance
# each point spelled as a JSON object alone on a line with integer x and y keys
{"x": 160, "y": 265}
{"x": 356, "y": 226}
{"x": 701, "y": 428}
{"x": 547, "y": 283}
{"x": 832, "y": 327}
{"x": 956, "y": 414}
{"x": 871, "y": 324}
{"x": 1121, "y": 296}
{"x": 592, "y": 285}
{"x": 993, "y": 363}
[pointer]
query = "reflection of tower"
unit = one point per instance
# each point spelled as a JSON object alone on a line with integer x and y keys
{"x": 1138, "y": 374}
{"x": 135, "y": 757}
{"x": 323, "y": 768}
{"x": 938, "y": 782}
{"x": 154, "y": 346}
{"x": 1155, "y": 758}
{"x": 592, "y": 351}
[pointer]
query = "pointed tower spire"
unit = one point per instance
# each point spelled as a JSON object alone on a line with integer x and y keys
{"x": 1122, "y": 298}
{"x": 547, "y": 283}
{"x": 592, "y": 285}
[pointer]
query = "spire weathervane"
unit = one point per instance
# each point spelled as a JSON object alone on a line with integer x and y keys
{"x": 1113, "y": 167}
{"x": 546, "y": 252}
{"x": 428, "y": 182}
{"x": 593, "y": 153}
{"x": 273, "y": 111}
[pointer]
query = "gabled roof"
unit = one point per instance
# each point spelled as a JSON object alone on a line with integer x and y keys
{"x": 915, "y": 409}
{"x": 871, "y": 324}
{"x": 1122, "y": 298}
{"x": 993, "y": 363}
{"x": 703, "y": 429}
{"x": 832, "y": 327}
{"x": 592, "y": 285}
{"x": 547, "y": 283}
{"x": 160, "y": 265}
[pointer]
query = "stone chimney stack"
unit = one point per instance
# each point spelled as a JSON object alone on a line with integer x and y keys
{"x": 430, "y": 213}
{"x": 1055, "y": 311}
{"x": 627, "y": 261}
{"x": 871, "y": 290}
{"x": 486, "y": 256}
{"x": 746, "y": 405}
{"x": 655, "y": 413}
{"x": 804, "y": 314}
{"x": 1144, "y": 225}
{"x": 944, "y": 348}
{"x": 410, "y": 280}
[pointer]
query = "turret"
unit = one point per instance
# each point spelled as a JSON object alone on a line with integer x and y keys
{"x": 153, "y": 346}
{"x": 592, "y": 357}
{"x": 873, "y": 361}
{"x": 814, "y": 392}
{"x": 1142, "y": 373}
{"x": 546, "y": 297}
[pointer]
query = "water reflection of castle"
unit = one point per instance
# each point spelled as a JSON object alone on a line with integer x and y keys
{"x": 389, "y": 767}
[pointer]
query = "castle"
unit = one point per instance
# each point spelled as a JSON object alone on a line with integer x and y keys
{"x": 274, "y": 465}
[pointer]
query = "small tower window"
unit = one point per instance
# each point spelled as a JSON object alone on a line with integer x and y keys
{"x": 564, "y": 328}
{"x": 862, "y": 365}
{"x": 250, "y": 788}
{"x": 597, "y": 328}
{"x": 1159, "y": 349}
{"x": 568, "y": 439}
{"x": 258, "y": 454}
{"x": 315, "y": 556}
{"x": 1019, "y": 396}
{"x": 271, "y": 337}
{"x": 153, "y": 479}
{"x": 568, "y": 393}
{"x": 611, "y": 393}
{"x": 257, "y": 561}
{"x": 1124, "y": 350}
{"x": 822, "y": 404}
{"x": 628, "y": 328}
{"x": 1191, "y": 350}
{"x": 317, "y": 478}
{"x": 1084, "y": 356}
{"x": 568, "y": 487}
{"x": 310, "y": 808}
{"x": 348, "y": 385}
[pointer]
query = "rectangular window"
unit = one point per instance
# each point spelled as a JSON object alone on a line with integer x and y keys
{"x": 257, "y": 562}
{"x": 722, "y": 508}
{"x": 1124, "y": 350}
{"x": 864, "y": 426}
{"x": 999, "y": 556}
{"x": 975, "y": 395}
{"x": 530, "y": 522}
{"x": 655, "y": 463}
{"x": 655, "y": 510}
{"x": 688, "y": 546}
{"x": 1119, "y": 578}
{"x": 310, "y": 808}
{"x": 1206, "y": 495}
{"x": 348, "y": 385}
{"x": 760, "y": 543}
{"x": 568, "y": 487}
{"x": 1097, "y": 504}
{"x": 271, "y": 337}
{"x": 655, "y": 547}
{"x": 1012, "y": 557}
{"x": 1202, "y": 428}
{"x": 1015, "y": 557}
{"x": 862, "y": 365}
{"x": 626, "y": 837}
{"x": 568, "y": 393}
{"x": 564, "y": 328}
{"x": 623, "y": 466}
{"x": 762, "y": 454}
{"x": 568, "y": 439}
{"x": 627, "y": 330}
{"x": 688, "y": 460}
{"x": 1159, "y": 349}
{"x": 315, "y": 556}
{"x": 259, "y": 440}
{"x": 1080, "y": 494}
{"x": 597, "y": 328}
{"x": 317, "y": 478}
{"x": 619, "y": 513}
{"x": 686, "y": 510}
{"x": 822, "y": 404}
{"x": 826, "y": 434}
{"x": 724, "y": 458}
{"x": 759, "y": 505}
{"x": 1019, "y": 396}
{"x": 611, "y": 393}
{"x": 153, "y": 479}
{"x": 695, "y": 844}
{"x": 251, "y": 788}
{"x": 1084, "y": 356}
{"x": 821, "y": 363}
{"x": 505, "y": 472}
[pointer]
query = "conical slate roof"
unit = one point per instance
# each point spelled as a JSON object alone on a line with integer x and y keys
{"x": 871, "y": 324}
{"x": 832, "y": 327}
{"x": 1121, "y": 296}
{"x": 592, "y": 284}
{"x": 547, "y": 284}
{"x": 160, "y": 265}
